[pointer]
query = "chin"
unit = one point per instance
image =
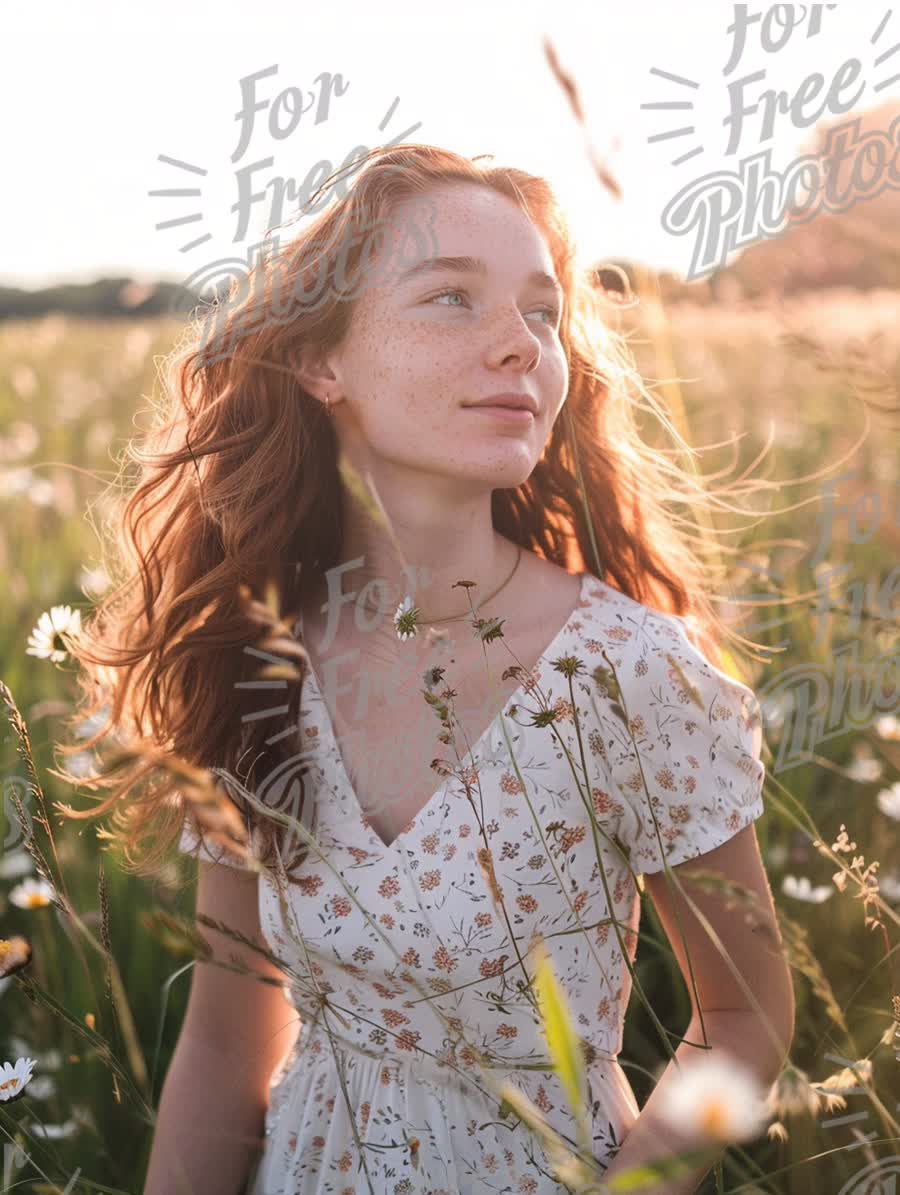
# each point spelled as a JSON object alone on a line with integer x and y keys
{"x": 498, "y": 474}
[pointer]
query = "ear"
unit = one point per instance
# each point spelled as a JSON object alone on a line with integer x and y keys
{"x": 317, "y": 376}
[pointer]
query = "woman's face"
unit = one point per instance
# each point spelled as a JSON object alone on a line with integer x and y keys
{"x": 414, "y": 357}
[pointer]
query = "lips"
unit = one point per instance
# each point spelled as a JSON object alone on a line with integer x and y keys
{"x": 517, "y": 402}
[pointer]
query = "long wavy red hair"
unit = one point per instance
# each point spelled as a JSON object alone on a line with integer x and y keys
{"x": 238, "y": 490}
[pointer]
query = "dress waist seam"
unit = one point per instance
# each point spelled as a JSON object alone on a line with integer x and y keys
{"x": 316, "y": 1032}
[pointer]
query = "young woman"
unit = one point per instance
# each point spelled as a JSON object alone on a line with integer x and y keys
{"x": 471, "y": 769}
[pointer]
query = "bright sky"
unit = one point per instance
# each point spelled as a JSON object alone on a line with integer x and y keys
{"x": 94, "y": 93}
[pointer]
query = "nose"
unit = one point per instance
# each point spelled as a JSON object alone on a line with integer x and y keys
{"x": 509, "y": 338}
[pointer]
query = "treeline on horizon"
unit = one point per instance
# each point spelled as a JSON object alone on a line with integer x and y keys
{"x": 827, "y": 251}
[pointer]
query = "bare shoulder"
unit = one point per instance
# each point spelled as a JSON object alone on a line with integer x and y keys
{"x": 548, "y": 592}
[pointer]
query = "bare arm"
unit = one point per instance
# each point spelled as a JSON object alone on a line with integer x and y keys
{"x": 208, "y": 1132}
{"x": 733, "y": 1025}
{"x": 237, "y": 1031}
{"x": 735, "y": 1034}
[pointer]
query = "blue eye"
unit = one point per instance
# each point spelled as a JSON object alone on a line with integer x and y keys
{"x": 550, "y": 309}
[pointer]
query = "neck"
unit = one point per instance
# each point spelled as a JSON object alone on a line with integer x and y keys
{"x": 430, "y": 546}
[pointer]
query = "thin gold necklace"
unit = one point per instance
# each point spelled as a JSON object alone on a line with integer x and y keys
{"x": 457, "y": 617}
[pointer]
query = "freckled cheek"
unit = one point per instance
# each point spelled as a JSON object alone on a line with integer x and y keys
{"x": 402, "y": 370}
{"x": 432, "y": 347}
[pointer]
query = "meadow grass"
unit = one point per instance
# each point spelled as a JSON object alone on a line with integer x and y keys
{"x": 810, "y": 382}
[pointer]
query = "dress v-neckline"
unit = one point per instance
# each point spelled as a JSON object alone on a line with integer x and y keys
{"x": 343, "y": 774}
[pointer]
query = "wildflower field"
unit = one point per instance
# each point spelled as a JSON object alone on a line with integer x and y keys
{"x": 95, "y": 962}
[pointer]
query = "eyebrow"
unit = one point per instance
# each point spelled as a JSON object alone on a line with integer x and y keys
{"x": 474, "y": 265}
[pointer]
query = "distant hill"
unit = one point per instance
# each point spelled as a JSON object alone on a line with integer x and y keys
{"x": 858, "y": 248}
{"x": 109, "y": 297}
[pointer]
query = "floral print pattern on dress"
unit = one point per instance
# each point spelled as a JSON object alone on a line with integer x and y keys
{"x": 410, "y": 964}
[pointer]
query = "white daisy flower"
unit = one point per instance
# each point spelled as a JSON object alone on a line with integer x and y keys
{"x": 717, "y": 1098}
{"x": 802, "y": 889}
{"x": 889, "y": 887}
{"x": 888, "y": 727}
{"x": 775, "y": 709}
{"x": 777, "y": 854}
{"x": 81, "y": 764}
{"x": 4, "y": 984}
{"x": 15, "y": 864}
{"x": 865, "y": 768}
{"x": 42, "y": 492}
{"x": 32, "y": 894}
{"x": 47, "y": 640}
{"x": 24, "y": 380}
{"x": 89, "y": 727}
{"x": 889, "y": 801}
{"x": 15, "y": 481}
{"x": 95, "y": 580}
{"x": 21, "y": 443}
{"x": 41, "y": 1087}
{"x": 13, "y": 1079}
{"x": 405, "y": 620}
{"x": 54, "y": 1132}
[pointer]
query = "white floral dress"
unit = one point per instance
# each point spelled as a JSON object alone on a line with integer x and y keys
{"x": 408, "y": 960}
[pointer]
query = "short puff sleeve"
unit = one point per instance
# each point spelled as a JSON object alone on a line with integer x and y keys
{"x": 211, "y": 852}
{"x": 691, "y": 777}
{"x": 190, "y": 844}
